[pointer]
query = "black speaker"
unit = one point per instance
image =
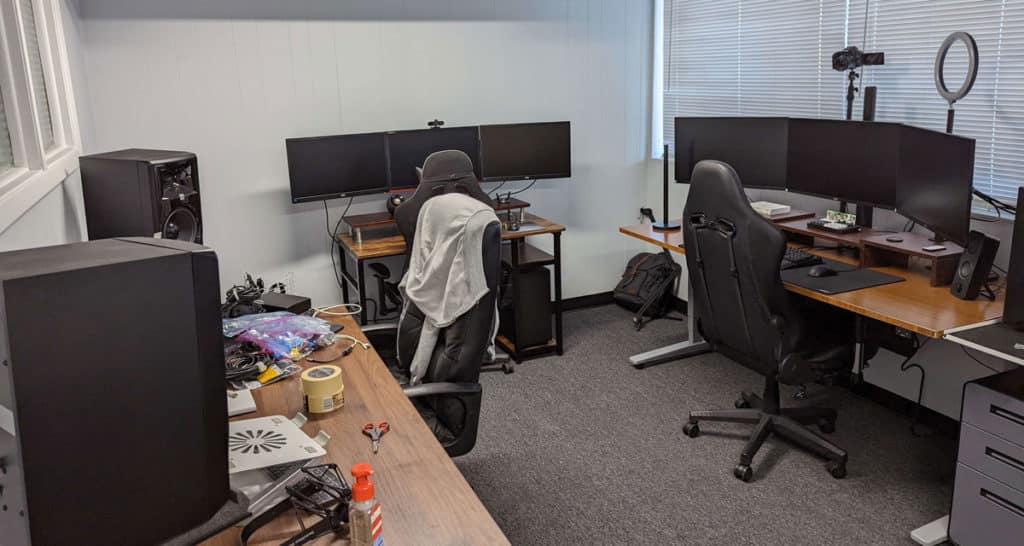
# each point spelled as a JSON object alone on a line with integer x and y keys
{"x": 531, "y": 309}
{"x": 1013, "y": 313}
{"x": 975, "y": 265}
{"x": 147, "y": 193}
{"x": 113, "y": 418}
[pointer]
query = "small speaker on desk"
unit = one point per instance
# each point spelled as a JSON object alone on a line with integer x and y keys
{"x": 975, "y": 264}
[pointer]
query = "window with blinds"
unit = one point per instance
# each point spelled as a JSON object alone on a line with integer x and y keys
{"x": 6, "y": 151}
{"x": 763, "y": 57}
{"x": 36, "y": 74}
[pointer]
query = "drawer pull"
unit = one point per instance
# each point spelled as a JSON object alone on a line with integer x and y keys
{"x": 1005, "y": 459}
{"x": 1002, "y": 503}
{"x": 1006, "y": 414}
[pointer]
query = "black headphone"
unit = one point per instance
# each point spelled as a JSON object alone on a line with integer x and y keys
{"x": 394, "y": 200}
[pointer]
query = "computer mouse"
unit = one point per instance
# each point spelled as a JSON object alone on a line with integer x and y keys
{"x": 894, "y": 239}
{"x": 821, "y": 271}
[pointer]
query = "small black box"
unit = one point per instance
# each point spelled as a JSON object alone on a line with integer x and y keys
{"x": 276, "y": 301}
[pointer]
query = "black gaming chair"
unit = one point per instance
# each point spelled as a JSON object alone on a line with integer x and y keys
{"x": 734, "y": 255}
{"x": 450, "y": 394}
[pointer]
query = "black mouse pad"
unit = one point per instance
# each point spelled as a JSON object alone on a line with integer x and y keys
{"x": 847, "y": 279}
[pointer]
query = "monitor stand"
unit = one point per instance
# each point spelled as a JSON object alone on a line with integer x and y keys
{"x": 865, "y": 216}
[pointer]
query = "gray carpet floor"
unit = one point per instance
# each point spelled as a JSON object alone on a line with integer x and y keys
{"x": 585, "y": 449}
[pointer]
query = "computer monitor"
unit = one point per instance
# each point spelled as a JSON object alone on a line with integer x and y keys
{"x": 1013, "y": 312}
{"x": 854, "y": 161}
{"x": 754, "y": 147}
{"x": 407, "y": 150}
{"x": 936, "y": 179}
{"x": 331, "y": 167}
{"x": 525, "y": 151}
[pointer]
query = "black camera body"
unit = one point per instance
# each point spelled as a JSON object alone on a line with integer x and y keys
{"x": 852, "y": 57}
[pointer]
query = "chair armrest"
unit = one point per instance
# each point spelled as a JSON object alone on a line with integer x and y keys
{"x": 434, "y": 389}
{"x": 469, "y": 395}
{"x": 379, "y": 327}
{"x": 383, "y": 336}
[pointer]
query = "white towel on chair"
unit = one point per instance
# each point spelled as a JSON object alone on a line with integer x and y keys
{"x": 445, "y": 278}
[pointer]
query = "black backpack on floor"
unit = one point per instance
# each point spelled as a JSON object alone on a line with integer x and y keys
{"x": 648, "y": 286}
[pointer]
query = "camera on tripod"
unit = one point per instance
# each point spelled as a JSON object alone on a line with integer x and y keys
{"x": 851, "y": 57}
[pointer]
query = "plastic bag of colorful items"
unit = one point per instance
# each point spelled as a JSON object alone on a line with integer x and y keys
{"x": 282, "y": 334}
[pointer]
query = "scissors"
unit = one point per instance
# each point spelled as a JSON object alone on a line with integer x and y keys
{"x": 375, "y": 432}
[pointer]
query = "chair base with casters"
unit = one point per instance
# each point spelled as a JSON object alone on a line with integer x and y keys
{"x": 789, "y": 423}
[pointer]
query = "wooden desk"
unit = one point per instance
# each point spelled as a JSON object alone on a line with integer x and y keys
{"x": 368, "y": 247}
{"x": 425, "y": 498}
{"x": 915, "y": 304}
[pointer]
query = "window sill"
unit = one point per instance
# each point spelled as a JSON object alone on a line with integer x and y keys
{"x": 21, "y": 189}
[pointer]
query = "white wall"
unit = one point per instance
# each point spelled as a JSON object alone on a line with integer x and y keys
{"x": 230, "y": 80}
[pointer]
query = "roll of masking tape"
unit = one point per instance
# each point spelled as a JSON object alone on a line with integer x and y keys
{"x": 322, "y": 389}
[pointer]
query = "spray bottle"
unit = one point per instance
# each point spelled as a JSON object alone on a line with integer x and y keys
{"x": 364, "y": 514}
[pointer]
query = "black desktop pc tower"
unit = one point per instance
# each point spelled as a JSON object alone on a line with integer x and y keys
{"x": 142, "y": 193}
{"x": 531, "y": 306}
{"x": 113, "y": 417}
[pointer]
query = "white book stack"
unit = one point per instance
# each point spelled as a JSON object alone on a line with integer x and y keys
{"x": 769, "y": 209}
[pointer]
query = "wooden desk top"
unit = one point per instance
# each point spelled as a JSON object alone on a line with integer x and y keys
{"x": 669, "y": 240}
{"x": 384, "y": 218}
{"x": 394, "y": 245}
{"x": 914, "y": 304}
{"x": 425, "y": 498}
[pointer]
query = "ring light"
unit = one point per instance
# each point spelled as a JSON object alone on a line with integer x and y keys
{"x": 972, "y": 66}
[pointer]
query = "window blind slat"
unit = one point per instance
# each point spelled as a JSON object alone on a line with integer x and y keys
{"x": 36, "y": 74}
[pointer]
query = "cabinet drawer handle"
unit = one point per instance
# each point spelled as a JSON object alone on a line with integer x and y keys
{"x": 1005, "y": 459}
{"x": 1002, "y": 503}
{"x": 1006, "y": 414}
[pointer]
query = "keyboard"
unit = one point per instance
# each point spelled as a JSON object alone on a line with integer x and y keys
{"x": 796, "y": 257}
{"x": 834, "y": 227}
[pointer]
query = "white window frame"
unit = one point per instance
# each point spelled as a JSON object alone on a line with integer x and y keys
{"x": 37, "y": 171}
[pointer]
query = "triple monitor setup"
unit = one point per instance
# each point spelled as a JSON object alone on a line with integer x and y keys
{"x": 332, "y": 167}
{"x": 923, "y": 175}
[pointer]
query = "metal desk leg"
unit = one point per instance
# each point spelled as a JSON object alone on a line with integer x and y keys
{"x": 344, "y": 270}
{"x": 691, "y": 347}
{"x": 360, "y": 275}
{"x": 514, "y": 253}
{"x": 558, "y": 293}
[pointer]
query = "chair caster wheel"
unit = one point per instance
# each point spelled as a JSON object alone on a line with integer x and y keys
{"x": 743, "y": 472}
{"x": 691, "y": 429}
{"x": 827, "y": 427}
{"x": 741, "y": 403}
{"x": 838, "y": 470}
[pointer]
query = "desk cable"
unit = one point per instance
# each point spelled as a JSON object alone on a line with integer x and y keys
{"x": 906, "y": 365}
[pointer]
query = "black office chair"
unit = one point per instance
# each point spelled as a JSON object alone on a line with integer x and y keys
{"x": 449, "y": 396}
{"x": 733, "y": 256}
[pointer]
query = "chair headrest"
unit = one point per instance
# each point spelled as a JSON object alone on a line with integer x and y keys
{"x": 447, "y": 165}
{"x": 716, "y": 190}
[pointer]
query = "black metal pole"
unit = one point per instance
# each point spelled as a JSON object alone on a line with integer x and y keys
{"x": 665, "y": 224}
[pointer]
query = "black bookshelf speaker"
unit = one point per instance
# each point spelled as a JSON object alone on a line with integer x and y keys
{"x": 975, "y": 265}
{"x": 142, "y": 193}
{"x": 113, "y": 419}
